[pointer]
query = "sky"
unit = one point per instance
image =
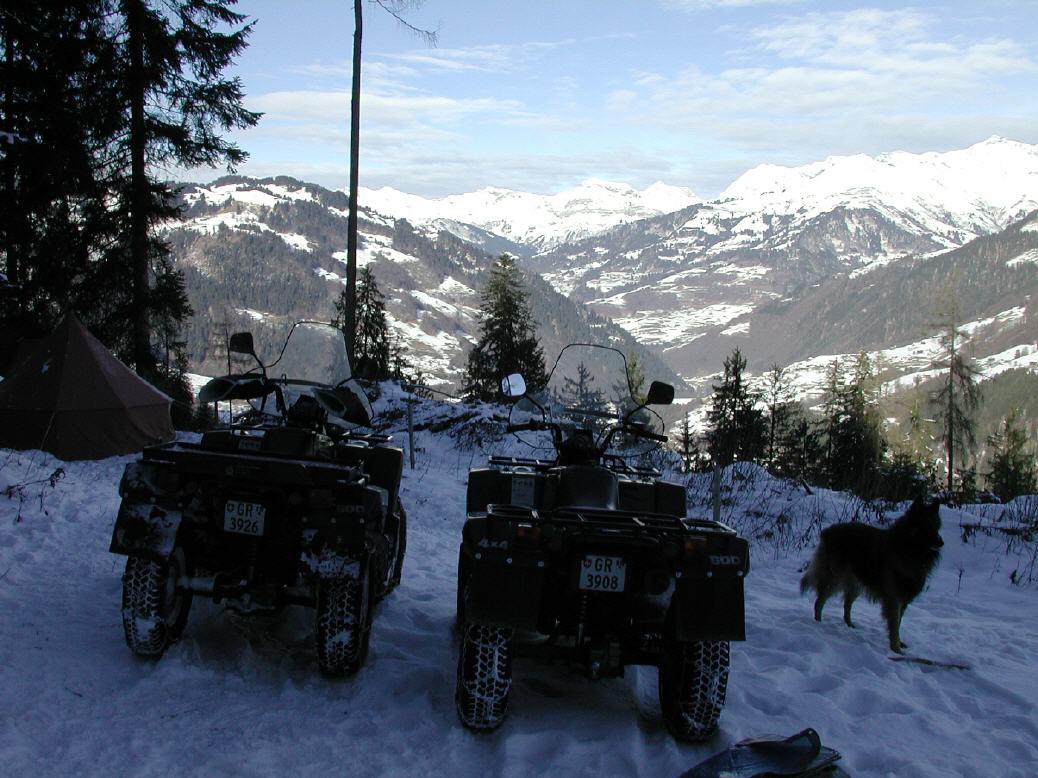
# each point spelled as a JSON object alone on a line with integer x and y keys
{"x": 540, "y": 95}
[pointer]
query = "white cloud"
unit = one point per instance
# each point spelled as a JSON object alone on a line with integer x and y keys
{"x": 333, "y": 106}
{"x": 494, "y": 58}
{"x": 697, "y": 6}
{"x": 843, "y": 69}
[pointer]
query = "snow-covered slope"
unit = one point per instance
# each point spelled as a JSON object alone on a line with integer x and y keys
{"x": 242, "y": 697}
{"x": 536, "y": 221}
{"x": 259, "y": 253}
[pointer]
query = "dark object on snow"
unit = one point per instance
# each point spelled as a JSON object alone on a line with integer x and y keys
{"x": 889, "y": 566}
{"x": 589, "y": 558}
{"x": 290, "y": 504}
{"x": 922, "y": 660}
{"x": 68, "y": 395}
{"x": 799, "y": 756}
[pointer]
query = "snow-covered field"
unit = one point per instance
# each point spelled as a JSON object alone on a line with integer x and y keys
{"x": 243, "y": 698}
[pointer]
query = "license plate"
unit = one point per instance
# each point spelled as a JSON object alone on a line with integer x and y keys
{"x": 245, "y": 518}
{"x": 523, "y": 490}
{"x": 250, "y": 444}
{"x": 603, "y": 573}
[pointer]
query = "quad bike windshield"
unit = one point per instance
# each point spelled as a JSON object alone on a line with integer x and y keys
{"x": 311, "y": 367}
{"x": 314, "y": 353}
{"x": 591, "y": 408}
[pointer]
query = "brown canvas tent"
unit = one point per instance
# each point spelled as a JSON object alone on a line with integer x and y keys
{"x": 67, "y": 394}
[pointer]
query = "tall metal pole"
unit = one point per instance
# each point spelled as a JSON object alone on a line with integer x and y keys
{"x": 350, "y": 325}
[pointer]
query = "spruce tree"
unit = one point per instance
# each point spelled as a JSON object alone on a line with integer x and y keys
{"x": 857, "y": 436}
{"x": 374, "y": 355}
{"x": 581, "y": 393}
{"x": 178, "y": 104}
{"x": 59, "y": 110}
{"x": 800, "y": 448}
{"x": 735, "y": 424}
{"x": 1012, "y": 467}
{"x": 507, "y": 341}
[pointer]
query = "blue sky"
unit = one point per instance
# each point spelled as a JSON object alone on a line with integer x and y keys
{"x": 542, "y": 94}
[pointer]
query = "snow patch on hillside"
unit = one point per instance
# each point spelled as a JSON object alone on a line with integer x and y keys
{"x": 296, "y": 241}
{"x": 1027, "y": 258}
{"x": 916, "y": 361}
{"x": 667, "y": 327}
{"x": 374, "y": 248}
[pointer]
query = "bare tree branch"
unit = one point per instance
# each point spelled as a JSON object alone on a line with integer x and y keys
{"x": 396, "y": 8}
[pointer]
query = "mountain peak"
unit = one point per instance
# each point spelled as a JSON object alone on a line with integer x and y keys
{"x": 926, "y": 187}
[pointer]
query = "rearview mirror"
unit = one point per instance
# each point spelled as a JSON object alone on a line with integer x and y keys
{"x": 660, "y": 394}
{"x": 347, "y": 401}
{"x": 241, "y": 343}
{"x": 513, "y": 385}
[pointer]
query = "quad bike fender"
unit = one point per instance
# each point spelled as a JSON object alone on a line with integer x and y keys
{"x": 144, "y": 529}
{"x": 502, "y": 586}
{"x": 504, "y": 594}
{"x": 335, "y": 544}
{"x": 708, "y": 609}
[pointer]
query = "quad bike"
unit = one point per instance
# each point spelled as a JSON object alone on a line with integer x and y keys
{"x": 588, "y": 558}
{"x": 288, "y": 504}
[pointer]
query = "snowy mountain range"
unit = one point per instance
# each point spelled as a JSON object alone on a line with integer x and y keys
{"x": 687, "y": 282}
{"x": 533, "y": 222}
{"x": 781, "y": 264}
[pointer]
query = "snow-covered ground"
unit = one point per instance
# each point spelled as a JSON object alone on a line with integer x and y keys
{"x": 243, "y": 698}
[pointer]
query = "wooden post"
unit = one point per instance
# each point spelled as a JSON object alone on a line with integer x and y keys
{"x": 410, "y": 427}
{"x": 717, "y": 493}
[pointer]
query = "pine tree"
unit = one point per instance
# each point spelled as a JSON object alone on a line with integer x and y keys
{"x": 687, "y": 448}
{"x": 959, "y": 395}
{"x": 507, "y": 342}
{"x": 736, "y": 425}
{"x": 831, "y": 410}
{"x": 374, "y": 351}
{"x": 580, "y": 392}
{"x": 778, "y": 399}
{"x": 1012, "y": 466}
{"x": 178, "y": 103}
{"x": 799, "y": 449}
{"x": 169, "y": 309}
{"x": 630, "y": 393}
{"x": 911, "y": 457}
{"x": 856, "y": 444}
{"x": 61, "y": 109}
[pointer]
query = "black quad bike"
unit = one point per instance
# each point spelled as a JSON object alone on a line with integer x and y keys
{"x": 587, "y": 558}
{"x": 289, "y": 504}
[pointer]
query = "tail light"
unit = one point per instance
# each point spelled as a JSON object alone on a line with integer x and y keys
{"x": 528, "y": 533}
{"x": 695, "y": 545}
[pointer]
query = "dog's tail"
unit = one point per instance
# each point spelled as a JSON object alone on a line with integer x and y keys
{"x": 810, "y": 578}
